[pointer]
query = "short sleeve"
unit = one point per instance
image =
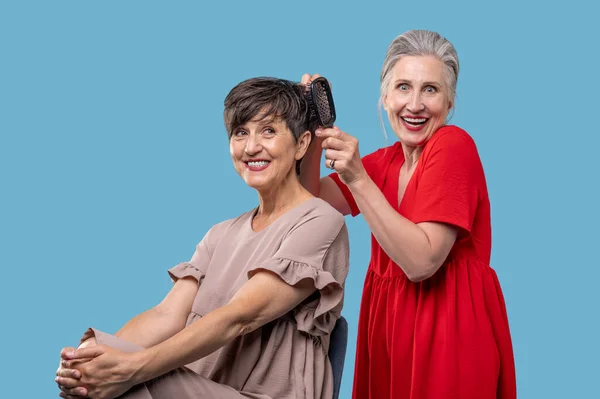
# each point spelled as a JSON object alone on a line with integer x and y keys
{"x": 315, "y": 248}
{"x": 196, "y": 267}
{"x": 449, "y": 182}
{"x": 375, "y": 165}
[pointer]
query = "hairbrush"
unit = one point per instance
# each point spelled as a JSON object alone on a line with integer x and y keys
{"x": 321, "y": 109}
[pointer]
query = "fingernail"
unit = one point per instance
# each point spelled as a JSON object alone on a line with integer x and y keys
{"x": 70, "y": 353}
{"x": 76, "y": 374}
{"x": 318, "y": 132}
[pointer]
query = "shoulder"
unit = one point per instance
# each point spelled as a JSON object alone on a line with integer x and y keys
{"x": 452, "y": 136}
{"x": 382, "y": 154}
{"x": 221, "y": 229}
{"x": 322, "y": 209}
{"x": 452, "y": 144}
{"x": 319, "y": 217}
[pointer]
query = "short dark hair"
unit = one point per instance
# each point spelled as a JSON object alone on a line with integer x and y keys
{"x": 267, "y": 97}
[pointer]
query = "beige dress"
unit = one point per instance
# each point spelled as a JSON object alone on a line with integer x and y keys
{"x": 286, "y": 358}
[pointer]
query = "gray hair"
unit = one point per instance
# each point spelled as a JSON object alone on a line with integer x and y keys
{"x": 420, "y": 43}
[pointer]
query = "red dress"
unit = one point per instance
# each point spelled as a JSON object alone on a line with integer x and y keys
{"x": 448, "y": 336}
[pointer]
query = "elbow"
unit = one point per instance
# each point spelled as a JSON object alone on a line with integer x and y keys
{"x": 417, "y": 277}
{"x": 239, "y": 322}
{"x": 423, "y": 271}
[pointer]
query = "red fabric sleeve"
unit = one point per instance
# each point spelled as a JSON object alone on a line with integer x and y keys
{"x": 449, "y": 181}
{"x": 376, "y": 164}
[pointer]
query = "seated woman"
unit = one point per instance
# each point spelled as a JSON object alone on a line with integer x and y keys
{"x": 250, "y": 315}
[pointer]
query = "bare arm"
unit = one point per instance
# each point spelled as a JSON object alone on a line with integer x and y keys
{"x": 146, "y": 330}
{"x": 324, "y": 188}
{"x": 420, "y": 249}
{"x": 165, "y": 319}
{"x": 262, "y": 299}
{"x": 310, "y": 172}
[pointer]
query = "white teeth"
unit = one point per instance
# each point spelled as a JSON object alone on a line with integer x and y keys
{"x": 415, "y": 120}
{"x": 258, "y": 164}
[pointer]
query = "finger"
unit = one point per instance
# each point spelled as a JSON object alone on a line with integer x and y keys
{"x": 329, "y": 163}
{"x": 65, "y": 350}
{"x": 68, "y": 383}
{"x": 333, "y": 143}
{"x": 334, "y": 154}
{"x": 82, "y": 353}
{"x": 69, "y": 373}
{"x": 331, "y": 132}
{"x": 76, "y": 392}
{"x": 70, "y": 364}
{"x": 307, "y": 78}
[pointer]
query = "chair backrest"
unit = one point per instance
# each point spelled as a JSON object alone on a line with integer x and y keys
{"x": 337, "y": 353}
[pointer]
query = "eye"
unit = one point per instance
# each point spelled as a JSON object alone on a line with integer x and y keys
{"x": 403, "y": 86}
{"x": 430, "y": 89}
{"x": 239, "y": 133}
{"x": 269, "y": 131}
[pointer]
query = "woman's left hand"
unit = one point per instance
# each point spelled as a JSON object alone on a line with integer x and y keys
{"x": 341, "y": 154}
{"x": 108, "y": 374}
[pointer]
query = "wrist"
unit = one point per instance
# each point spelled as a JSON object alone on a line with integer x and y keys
{"x": 141, "y": 366}
{"x": 358, "y": 184}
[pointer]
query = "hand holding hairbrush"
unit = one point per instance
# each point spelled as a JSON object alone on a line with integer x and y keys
{"x": 341, "y": 149}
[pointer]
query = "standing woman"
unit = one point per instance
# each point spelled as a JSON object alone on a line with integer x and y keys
{"x": 433, "y": 322}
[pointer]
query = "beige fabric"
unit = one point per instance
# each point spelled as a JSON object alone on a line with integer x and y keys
{"x": 286, "y": 358}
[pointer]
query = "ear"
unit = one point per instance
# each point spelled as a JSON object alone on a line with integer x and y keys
{"x": 384, "y": 102}
{"x": 303, "y": 144}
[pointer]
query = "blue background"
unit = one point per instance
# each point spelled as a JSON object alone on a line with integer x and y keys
{"x": 114, "y": 160}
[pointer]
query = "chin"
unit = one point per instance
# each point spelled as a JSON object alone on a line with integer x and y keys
{"x": 257, "y": 184}
{"x": 413, "y": 140}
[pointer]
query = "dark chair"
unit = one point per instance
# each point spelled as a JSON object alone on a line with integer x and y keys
{"x": 337, "y": 353}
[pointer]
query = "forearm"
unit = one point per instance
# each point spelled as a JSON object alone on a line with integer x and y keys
{"x": 310, "y": 168}
{"x": 198, "y": 340}
{"x": 402, "y": 240}
{"x": 151, "y": 327}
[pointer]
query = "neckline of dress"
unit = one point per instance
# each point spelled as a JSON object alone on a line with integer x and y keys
{"x": 255, "y": 211}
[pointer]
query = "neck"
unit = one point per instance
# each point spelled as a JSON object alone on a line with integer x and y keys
{"x": 411, "y": 156}
{"x": 284, "y": 196}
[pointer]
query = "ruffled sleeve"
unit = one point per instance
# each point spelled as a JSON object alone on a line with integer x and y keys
{"x": 315, "y": 249}
{"x": 198, "y": 265}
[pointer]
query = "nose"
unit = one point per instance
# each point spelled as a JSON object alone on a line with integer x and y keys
{"x": 415, "y": 104}
{"x": 253, "y": 145}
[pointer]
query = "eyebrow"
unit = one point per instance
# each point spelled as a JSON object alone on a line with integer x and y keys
{"x": 265, "y": 121}
{"x": 432, "y": 83}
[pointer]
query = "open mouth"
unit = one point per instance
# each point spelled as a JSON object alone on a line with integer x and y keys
{"x": 415, "y": 122}
{"x": 257, "y": 165}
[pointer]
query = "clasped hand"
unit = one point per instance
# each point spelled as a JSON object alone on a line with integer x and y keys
{"x": 97, "y": 372}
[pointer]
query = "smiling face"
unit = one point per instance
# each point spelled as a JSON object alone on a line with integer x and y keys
{"x": 417, "y": 99}
{"x": 264, "y": 152}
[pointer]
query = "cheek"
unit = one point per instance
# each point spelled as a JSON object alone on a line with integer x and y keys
{"x": 236, "y": 151}
{"x": 395, "y": 103}
{"x": 439, "y": 108}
